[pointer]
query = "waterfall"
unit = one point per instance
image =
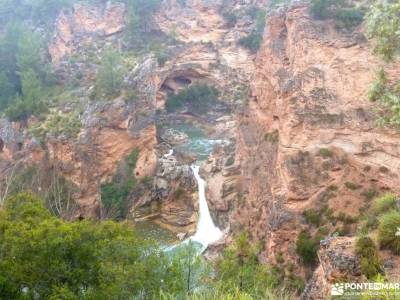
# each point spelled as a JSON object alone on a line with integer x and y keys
{"x": 206, "y": 232}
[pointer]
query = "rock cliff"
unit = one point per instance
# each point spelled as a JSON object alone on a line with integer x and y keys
{"x": 308, "y": 138}
{"x": 303, "y": 133}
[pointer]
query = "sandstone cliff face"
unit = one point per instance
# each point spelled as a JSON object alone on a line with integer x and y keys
{"x": 80, "y": 27}
{"x": 309, "y": 93}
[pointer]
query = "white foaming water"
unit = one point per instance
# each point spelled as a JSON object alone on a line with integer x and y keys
{"x": 206, "y": 232}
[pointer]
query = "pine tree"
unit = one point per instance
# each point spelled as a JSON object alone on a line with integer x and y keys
{"x": 110, "y": 74}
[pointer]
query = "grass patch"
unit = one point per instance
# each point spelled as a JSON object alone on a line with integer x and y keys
{"x": 312, "y": 217}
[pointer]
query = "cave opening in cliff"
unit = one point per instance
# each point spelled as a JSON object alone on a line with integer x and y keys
{"x": 182, "y": 81}
{"x": 176, "y": 83}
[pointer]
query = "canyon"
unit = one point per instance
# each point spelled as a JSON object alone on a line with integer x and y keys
{"x": 294, "y": 129}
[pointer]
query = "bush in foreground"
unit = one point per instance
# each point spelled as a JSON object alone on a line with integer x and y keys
{"x": 43, "y": 257}
{"x": 388, "y": 231}
{"x": 369, "y": 259}
{"x": 307, "y": 248}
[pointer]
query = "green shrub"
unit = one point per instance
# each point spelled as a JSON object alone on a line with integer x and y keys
{"x": 239, "y": 268}
{"x": 307, "y": 247}
{"x": 346, "y": 219}
{"x": 385, "y": 203}
{"x": 312, "y": 217}
{"x": 252, "y": 41}
{"x": 68, "y": 125}
{"x": 370, "y": 194}
{"x": 272, "y": 137}
{"x": 349, "y": 17}
{"x": 345, "y": 230}
{"x": 325, "y": 152}
{"x": 388, "y": 231}
{"x": 369, "y": 259}
{"x": 230, "y": 18}
{"x": 352, "y": 186}
{"x": 345, "y": 14}
{"x": 110, "y": 74}
{"x": 371, "y": 222}
{"x": 295, "y": 283}
{"x": 367, "y": 168}
{"x": 147, "y": 181}
{"x": 230, "y": 161}
{"x": 55, "y": 258}
{"x": 384, "y": 27}
{"x": 321, "y": 9}
{"x": 140, "y": 19}
{"x": 114, "y": 194}
{"x": 383, "y": 169}
{"x": 197, "y": 97}
{"x": 332, "y": 188}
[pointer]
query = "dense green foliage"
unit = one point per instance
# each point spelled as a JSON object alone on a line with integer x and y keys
{"x": 384, "y": 26}
{"x": 388, "y": 96}
{"x": 307, "y": 247}
{"x": 253, "y": 40}
{"x": 313, "y": 217}
{"x": 197, "y": 97}
{"x": 114, "y": 194}
{"x": 44, "y": 257}
{"x": 388, "y": 231}
{"x": 109, "y": 74}
{"x": 346, "y": 15}
{"x": 239, "y": 270}
{"x": 369, "y": 259}
{"x": 57, "y": 125}
{"x": 24, "y": 71}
